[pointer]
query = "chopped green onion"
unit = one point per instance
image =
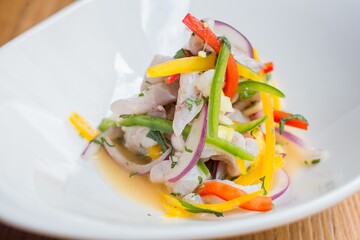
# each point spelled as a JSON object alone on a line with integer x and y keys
{"x": 106, "y": 123}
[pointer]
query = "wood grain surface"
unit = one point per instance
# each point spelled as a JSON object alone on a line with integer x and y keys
{"x": 339, "y": 222}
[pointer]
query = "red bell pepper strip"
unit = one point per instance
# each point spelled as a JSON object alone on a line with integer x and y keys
{"x": 269, "y": 66}
{"x": 206, "y": 34}
{"x": 298, "y": 123}
{"x": 172, "y": 78}
{"x": 228, "y": 192}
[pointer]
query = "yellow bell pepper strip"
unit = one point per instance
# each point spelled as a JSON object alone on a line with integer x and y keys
{"x": 247, "y": 72}
{"x": 165, "y": 126}
{"x": 83, "y": 127}
{"x": 154, "y": 152}
{"x": 209, "y": 37}
{"x": 182, "y": 65}
{"x": 259, "y": 86}
{"x": 276, "y": 101}
{"x": 174, "y": 211}
{"x": 255, "y": 173}
{"x": 215, "y": 91}
{"x": 247, "y": 126}
{"x": 241, "y": 165}
{"x": 268, "y": 161}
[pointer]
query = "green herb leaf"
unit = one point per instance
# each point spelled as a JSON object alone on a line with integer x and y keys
{"x": 175, "y": 194}
{"x": 263, "y": 185}
{"x": 188, "y": 150}
{"x": 157, "y": 137}
{"x": 313, "y": 162}
{"x": 133, "y": 174}
{"x": 141, "y": 94}
{"x": 101, "y": 141}
{"x": 191, "y": 208}
{"x": 200, "y": 179}
{"x": 181, "y": 53}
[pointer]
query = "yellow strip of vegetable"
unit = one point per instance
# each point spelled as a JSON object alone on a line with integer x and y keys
{"x": 83, "y": 127}
{"x": 182, "y": 65}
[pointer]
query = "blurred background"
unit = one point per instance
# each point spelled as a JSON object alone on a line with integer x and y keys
{"x": 16, "y": 16}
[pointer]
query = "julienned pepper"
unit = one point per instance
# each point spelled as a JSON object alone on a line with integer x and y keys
{"x": 164, "y": 125}
{"x": 209, "y": 37}
{"x": 182, "y": 65}
{"x": 247, "y": 72}
{"x": 247, "y": 126}
{"x": 83, "y": 127}
{"x": 219, "y": 207}
{"x": 261, "y": 87}
{"x": 215, "y": 91}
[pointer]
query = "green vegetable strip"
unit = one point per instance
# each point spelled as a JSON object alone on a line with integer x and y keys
{"x": 157, "y": 137}
{"x": 191, "y": 208}
{"x": 106, "y": 123}
{"x": 216, "y": 89}
{"x": 154, "y": 123}
{"x": 164, "y": 125}
{"x": 203, "y": 167}
{"x": 261, "y": 87}
{"x": 230, "y": 148}
{"x": 248, "y": 126}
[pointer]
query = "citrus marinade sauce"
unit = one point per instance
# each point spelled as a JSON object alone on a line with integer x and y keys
{"x": 140, "y": 189}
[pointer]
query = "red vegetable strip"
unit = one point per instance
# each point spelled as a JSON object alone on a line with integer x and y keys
{"x": 172, "y": 78}
{"x": 206, "y": 34}
{"x": 203, "y": 32}
{"x": 231, "y": 78}
{"x": 228, "y": 192}
{"x": 278, "y": 115}
{"x": 269, "y": 66}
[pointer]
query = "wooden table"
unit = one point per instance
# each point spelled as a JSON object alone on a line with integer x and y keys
{"x": 339, "y": 222}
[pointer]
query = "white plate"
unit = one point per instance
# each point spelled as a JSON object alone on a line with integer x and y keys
{"x": 66, "y": 64}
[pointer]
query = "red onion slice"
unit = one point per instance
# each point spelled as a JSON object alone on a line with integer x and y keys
{"x": 284, "y": 184}
{"x": 195, "y": 142}
{"x": 237, "y": 40}
{"x": 291, "y": 137}
{"x": 117, "y": 156}
{"x": 91, "y": 150}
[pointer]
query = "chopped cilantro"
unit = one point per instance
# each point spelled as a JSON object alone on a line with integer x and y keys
{"x": 141, "y": 94}
{"x": 175, "y": 194}
{"x": 157, "y": 137}
{"x": 133, "y": 174}
{"x": 263, "y": 184}
{"x": 188, "y": 150}
{"x": 200, "y": 179}
{"x": 101, "y": 141}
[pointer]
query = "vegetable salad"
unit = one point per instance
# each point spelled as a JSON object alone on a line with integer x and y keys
{"x": 206, "y": 124}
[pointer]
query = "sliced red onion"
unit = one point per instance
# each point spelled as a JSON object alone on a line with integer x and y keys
{"x": 237, "y": 40}
{"x": 117, "y": 156}
{"x": 284, "y": 184}
{"x": 195, "y": 144}
{"x": 91, "y": 150}
{"x": 292, "y": 137}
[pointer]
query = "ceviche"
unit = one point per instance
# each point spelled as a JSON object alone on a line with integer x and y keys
{"x": 207, "y": 123}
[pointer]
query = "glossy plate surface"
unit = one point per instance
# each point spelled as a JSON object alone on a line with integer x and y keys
{"x": 74, "y": 61}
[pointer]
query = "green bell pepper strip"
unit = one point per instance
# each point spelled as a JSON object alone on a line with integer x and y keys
{"x": 248, "y": 126}
{"x": 259, "y": 86}
{"x": 216, "y": 89}
{"x": 164, "y": 125}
